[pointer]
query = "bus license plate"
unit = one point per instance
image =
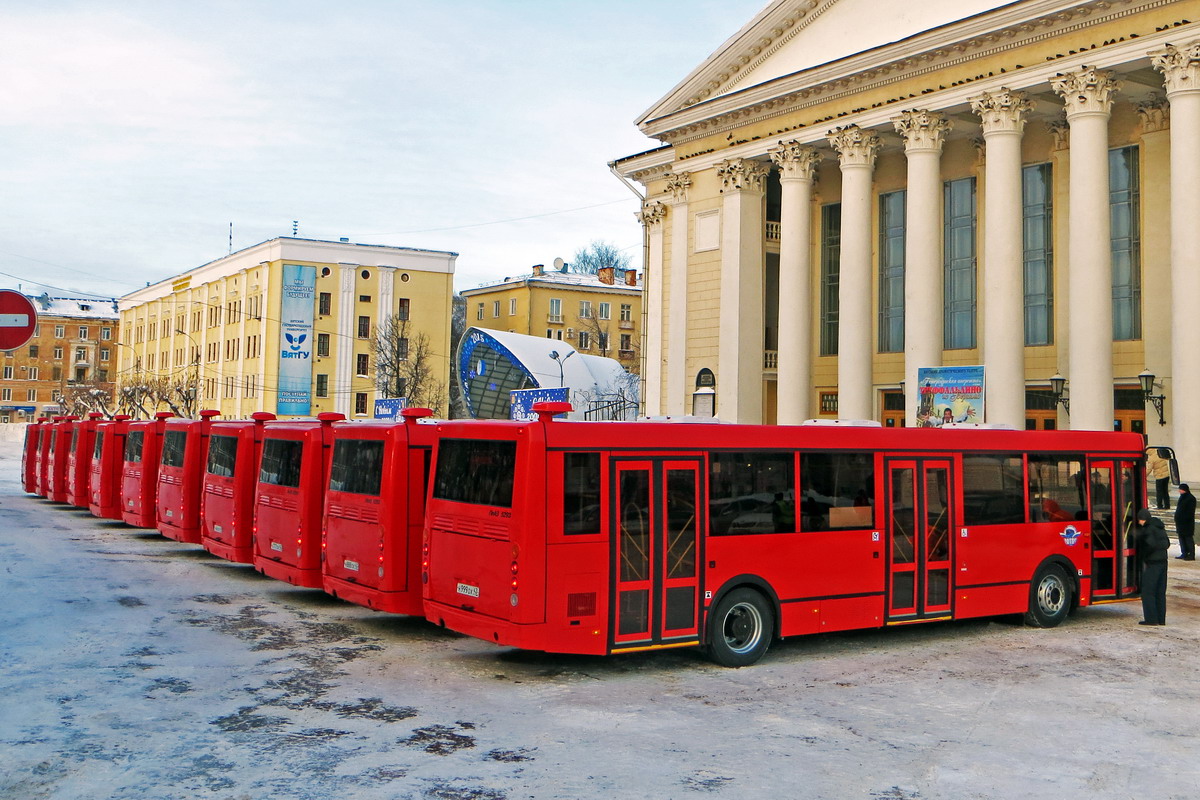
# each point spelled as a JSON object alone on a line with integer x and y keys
{"x": 350, "y": 565}
{"x": 277, "y": 546}
{"x": 468, "y": 590}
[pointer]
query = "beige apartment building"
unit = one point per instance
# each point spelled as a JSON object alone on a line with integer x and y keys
{"x": 287, "y": 325}
{"x": 848, "y": 192}
{"x": 597, "y": 314}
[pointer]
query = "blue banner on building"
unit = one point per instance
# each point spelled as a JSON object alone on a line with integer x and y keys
{"x": 295, "y": 340}
{"x": 949, "y": 394}
{"x": 523, "y": 400}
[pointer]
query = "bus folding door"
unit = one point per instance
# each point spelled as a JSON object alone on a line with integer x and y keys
{"x": 180, "y": 473}
{"x": 60, "y": 451}
{"x": 79, "y": 462}
{"x": 374, "y": 513}
{"x": 289, "y": 499}
{"x": 921, "y": 515}
{"x": 108, "y": 452}
{"x": 29, "y": 455}
{"x": 227, "y": 503}
{"x": 1115, "y": 499}
{"x": 139, "y": 471}
{"x": 656, "y": 553}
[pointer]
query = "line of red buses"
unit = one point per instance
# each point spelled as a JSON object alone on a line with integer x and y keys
{"x": 611, "y": 537}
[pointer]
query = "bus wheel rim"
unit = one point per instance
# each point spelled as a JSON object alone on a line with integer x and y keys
{"x": 743, "y": 628}
{"x": 1051, "y": 594}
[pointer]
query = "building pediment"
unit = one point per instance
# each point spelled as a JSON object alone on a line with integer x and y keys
{"x": 814, "y": 46}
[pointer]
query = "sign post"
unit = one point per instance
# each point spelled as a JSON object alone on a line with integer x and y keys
{"x": 18, "y": 317}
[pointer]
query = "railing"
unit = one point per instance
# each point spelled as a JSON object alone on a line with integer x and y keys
{"x": 554, "y": 318}
{"x": 770, "y": 359}
{"x": 618, "y": 410}
{"x": 773, "y": 231}
{"x": 625, "y": 324}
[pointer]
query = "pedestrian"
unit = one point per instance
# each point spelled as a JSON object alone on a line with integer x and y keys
{"x": 1152, "y": 546}
{"x": 1185, "y": 523}
{"x": 1160, "y": 469}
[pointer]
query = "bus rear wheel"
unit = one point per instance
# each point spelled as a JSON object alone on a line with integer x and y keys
{"x": 740, "y": 629}
{"x": 1049, "y": 598}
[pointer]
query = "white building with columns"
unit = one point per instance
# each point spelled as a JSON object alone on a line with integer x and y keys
{"x": 849, "y": 191}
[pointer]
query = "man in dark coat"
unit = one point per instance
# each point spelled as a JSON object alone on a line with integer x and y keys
{"x": 1152, "y": 546}
{"x": 1185, "y": 523}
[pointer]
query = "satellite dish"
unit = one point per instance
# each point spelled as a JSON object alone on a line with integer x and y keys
{"x": 559, "y": 264}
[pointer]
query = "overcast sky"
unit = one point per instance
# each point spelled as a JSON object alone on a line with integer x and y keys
{"x": 133, "y": 133}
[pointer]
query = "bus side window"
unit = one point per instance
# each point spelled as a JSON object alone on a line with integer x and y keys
{"x": 992, "y": 493}
{"x": 581, "y": 493}
{"x": 837, "y": 491}
{"x": 752, "y": 492}
{"x": 1057, "y": 488}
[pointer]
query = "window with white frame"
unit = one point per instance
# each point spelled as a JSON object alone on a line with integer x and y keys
{"x": 606, "y": 311}
{"x": 626, "y": 312}
{"x": 585, "y": 340}
{"x": 585, "y": 309}
{"x": 512, "y": 306}
{"x": 555, "y": 309}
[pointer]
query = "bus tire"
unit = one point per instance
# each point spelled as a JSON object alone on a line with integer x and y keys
{"x": 1050, "y": 597}
{"x": 740, "y": 629}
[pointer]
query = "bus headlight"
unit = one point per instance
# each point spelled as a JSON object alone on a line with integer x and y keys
{"x": 512, "y": 599}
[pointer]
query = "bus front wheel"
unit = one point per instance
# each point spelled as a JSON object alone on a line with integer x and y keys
{"x": 740, "y": 628}
{"x": 1049, "y": 598}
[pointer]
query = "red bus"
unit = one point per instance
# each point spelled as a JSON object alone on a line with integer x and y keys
{"x": 30, "y": 454}
{"x": 375, "y": 511}
{"x": 607, "y": 537}
{"x": 58, "y": 456}
{"x": 42, "y": 466}
{"x": 180, "y": 473}
{"x": 139, "y": 471}
{"x": 79, "y": 460}
{"x": 227, "y": 501}
{"x": 105, "y": 486}
{"x": 290, "y": 497}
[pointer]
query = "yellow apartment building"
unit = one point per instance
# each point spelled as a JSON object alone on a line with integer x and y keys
{"x": 597, "y": 314}
{"x": 287, "y": 325}
{"x": 848, "y": 193}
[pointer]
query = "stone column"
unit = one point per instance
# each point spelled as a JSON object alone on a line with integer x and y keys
{"x": 924, "y": 133}
{"x": 341, "y": 382}
{"x": 797, "y": 164}
{"x": 740, "y": 350}
{"x": 676, "y": 365}
{"x": 1003, "y": 115}
{"x": 1088, "y": 96}
{"x": 651, "y": 217}
{"x": 1180, "y": 67}
{"x": 856, "y": 149}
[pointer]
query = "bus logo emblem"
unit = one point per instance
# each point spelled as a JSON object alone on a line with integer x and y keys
{"x": 1071, "y": 535}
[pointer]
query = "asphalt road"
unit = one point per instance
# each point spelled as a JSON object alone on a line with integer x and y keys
{"x": 135, "y": 667}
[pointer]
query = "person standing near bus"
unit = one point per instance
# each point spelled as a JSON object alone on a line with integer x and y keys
{"x": 1160, "y": 469}
{"x": 1185, "y": 523}
{"x": 1152, "y": 545}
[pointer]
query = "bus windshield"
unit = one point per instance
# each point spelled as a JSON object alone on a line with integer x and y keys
{"x": 174, "y": 444}
{"x": 476, "y": 471}
{"x": 357, "y": 466}
{"x": 281, "y": 462}
{"x": 222, "y": 455}
{"x": 133, "y": 446}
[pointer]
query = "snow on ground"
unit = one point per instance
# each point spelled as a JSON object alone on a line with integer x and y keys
{"x": 138, "y": 668}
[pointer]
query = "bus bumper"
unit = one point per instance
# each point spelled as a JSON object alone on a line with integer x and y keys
{"x": 230, "y": 552}
{"x": 369, "y": 597}
{"x": 306, "y": 578}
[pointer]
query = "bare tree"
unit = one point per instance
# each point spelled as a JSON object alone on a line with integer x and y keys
{"x": 146, "y": 393}
{"x": 458, "y": 326}
{"x": 80, "y": 399}
{"x": 598, "y": 255}
{"x": 404, "y": 366}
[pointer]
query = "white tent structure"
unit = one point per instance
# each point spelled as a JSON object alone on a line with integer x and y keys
{"x": 492, "y": 364}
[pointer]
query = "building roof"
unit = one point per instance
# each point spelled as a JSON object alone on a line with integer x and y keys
{"x": 75, "y": 307}
{"x": 560, "y": 279}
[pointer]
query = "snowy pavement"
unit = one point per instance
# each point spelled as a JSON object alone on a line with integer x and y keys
{"x": 135, "y": 667}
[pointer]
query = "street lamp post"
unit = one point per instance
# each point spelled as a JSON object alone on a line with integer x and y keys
{"x": 196, "y": 365}
{"x": 559, "y": 360}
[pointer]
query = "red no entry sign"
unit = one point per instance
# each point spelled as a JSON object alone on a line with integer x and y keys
{"x": 17, "y": 319}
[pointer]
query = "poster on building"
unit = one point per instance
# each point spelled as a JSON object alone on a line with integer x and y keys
{"x": 295, "y": 340}
{"x": 523, "y": 400}
{"x": 390, "y": 407}
{"x": 949, "y": 395}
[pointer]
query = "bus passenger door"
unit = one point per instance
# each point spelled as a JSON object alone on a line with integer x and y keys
{"x": 1114, "y": 502}
{"x": 656, "y": 542}
{"x": 920, "y": 506}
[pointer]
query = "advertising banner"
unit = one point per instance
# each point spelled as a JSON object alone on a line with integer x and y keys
{"x": 948, "y": 395}
{"x": 390, "y": 407}
{"x": 523, "y": 400}
{"x": 295, "y": 340}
